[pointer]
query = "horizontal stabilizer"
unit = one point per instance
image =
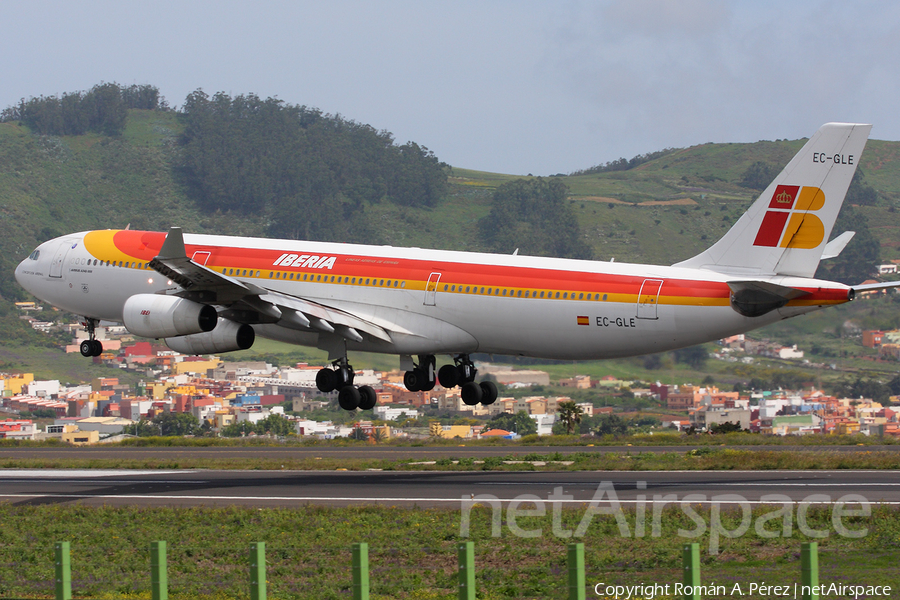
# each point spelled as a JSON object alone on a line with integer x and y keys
{"x": 872, "y": 287}
{"x": 837, "y": 245}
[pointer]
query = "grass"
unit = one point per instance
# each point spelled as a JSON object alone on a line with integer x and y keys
{"x": 412, "y": 552}
{"x": 519, "y": 457}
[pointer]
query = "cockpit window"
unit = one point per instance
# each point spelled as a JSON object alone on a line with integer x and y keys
{"x": 35, "y": 255}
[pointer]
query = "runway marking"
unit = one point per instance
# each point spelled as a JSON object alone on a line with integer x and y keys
{"x": 87, "y": 473}
{"x": 705, "y": 483}
{"x": 393, "y": 500}
{"x": 111, "y": 481}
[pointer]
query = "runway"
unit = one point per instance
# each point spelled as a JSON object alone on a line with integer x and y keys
{"x": 450, "y": 490}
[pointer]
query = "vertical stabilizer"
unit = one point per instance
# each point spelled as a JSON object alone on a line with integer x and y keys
{"x": 785, "y": 231}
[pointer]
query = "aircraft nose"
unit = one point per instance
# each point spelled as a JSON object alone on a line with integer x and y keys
{"x": 20, "y": 276}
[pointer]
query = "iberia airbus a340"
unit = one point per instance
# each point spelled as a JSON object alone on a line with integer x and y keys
{"x": 208, "y": 294}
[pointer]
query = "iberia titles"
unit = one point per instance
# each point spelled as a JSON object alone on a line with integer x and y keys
{"x": 305, "y": 261}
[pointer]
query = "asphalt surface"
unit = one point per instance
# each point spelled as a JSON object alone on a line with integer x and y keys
{"x": 440, "y": 489}
{"x": 386, "y": 452}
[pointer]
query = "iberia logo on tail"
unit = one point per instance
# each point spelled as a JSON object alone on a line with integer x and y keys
{"x": 789, "y": 222}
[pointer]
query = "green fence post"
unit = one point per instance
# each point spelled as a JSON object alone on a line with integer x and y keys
{"x": 690, "y": 556}
{"x": 466, "y": 558}
{"x": 809, "y": 569}
{"x": 63, "y": 572}
{"x": 159, "y": 572}
{"x": 576, "y": 571}
{"x": 361, "y": 571}
{"x": 258, "y": 571}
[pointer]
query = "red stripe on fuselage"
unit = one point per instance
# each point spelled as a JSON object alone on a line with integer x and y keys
{"x": 144, "y": 246}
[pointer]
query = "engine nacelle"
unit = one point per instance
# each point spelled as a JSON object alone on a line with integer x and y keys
{"x": 158, "y": 316}
{"x": 228, "y": 336}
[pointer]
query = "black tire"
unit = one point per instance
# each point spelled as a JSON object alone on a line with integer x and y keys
{"x": 489, "y": 392}
{"x": 448, "y": 375}
{"x": 426, "y": 384}
{"x": 98, "y": 348}
{"x": 326, "y": 380}
{"x": 412, "y": 380}
{"x": 367, "y": 397}
{"x": 86, "y": 348}
{"x": 471, "y": 393}
{"x": 349, "y": 397}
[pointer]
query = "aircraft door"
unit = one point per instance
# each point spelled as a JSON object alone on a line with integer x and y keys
{"x": 431, "y": 288}
{"x": 200, "y": 257}
{"x": 648, "y": 298}
{"x": 59, "y": 259}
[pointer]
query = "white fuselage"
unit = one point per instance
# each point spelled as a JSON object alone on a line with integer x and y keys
{"x": 430, "y": 301}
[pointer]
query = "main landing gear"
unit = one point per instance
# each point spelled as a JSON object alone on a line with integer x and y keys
{"x": 91, "y": 346}
{"x": 340, "y": 377}
{"x": 461, "y": 373}
{"x": 422, "y": 378}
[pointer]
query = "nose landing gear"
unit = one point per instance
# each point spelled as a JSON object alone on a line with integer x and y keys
{"x": 91, "y": 346}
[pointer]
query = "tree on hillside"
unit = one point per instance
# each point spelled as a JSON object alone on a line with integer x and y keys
{"x": 569, "y": 414}
{"x": 310, "y": 172}
{"x": 102, "y": 109}
{"x": 727, "y": 427}
{"x": 237, "y": 429}
{"x": 693, "y": 356}
{"x": 860, "y": 193}
{"x": 611, "y": 424}
{"x": 275, "y": 424}
{"x": 758, "y": 176}
{"x": 533, "y": 216}
{"x": 859, "y": 259}
{"x": 176, "y": 424}
{"x": 519, "y": 423}
{"x": 142, "y": 428}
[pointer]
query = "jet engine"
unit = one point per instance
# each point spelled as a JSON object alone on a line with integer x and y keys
{"x": 226, "y": 337}
{"x": 158, "y": 316}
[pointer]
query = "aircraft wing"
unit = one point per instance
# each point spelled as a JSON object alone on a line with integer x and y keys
{"x": 246, "y": 302}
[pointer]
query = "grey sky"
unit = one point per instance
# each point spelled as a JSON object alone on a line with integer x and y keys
{"x": 515, "y": 87}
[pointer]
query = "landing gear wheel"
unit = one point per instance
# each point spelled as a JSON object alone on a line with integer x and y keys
{"x": 349, "y": 397}
{"x": 327, "y": 380}
{"x": 449, "y": 376}
{"x": 417, "y": 381}
{"x": 367, "y": 397}
{"x": 471, "y": 393}
{"x": 427, "y": 384}
{"x": 489, "y": 392}
{"x": 91, "y": 346}
{"x": 413, "y": 379}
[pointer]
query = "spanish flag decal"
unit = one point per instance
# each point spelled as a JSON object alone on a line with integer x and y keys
{"x": 584, "y": 321}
